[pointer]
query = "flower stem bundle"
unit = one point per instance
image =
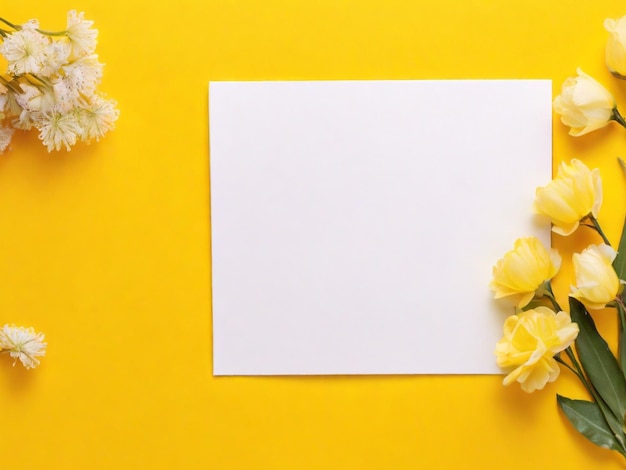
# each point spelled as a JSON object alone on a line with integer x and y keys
{"x": 51, "y": 84}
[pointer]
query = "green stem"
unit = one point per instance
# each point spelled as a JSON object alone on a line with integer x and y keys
{"x": 550, "y": 295}
{"x": 8, "y": 23}
{"x": 558, "y": 359}
{"x": 621, "y": 335}
{"x": 579, "y": 372}
{"x": 42, "y": 81}
{"x": 52, "y": 33}
{"x": 597, "y": 228}
{"x": 10, "y": 85}
{"x": 617, "y": 117}
{"x": 42, "y": 31}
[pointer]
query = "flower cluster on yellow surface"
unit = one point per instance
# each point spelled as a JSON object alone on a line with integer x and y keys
{"x": 539, "y": 336}
{"x": 51, "y": 84}
{"x": 533, "y": 336}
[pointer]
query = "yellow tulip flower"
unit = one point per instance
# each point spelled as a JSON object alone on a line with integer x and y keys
{"x": 530, "y": 341}
{"x": 523, "y": 270}
{"x": 597, "y": 283}
{"x": 575, "y": 193}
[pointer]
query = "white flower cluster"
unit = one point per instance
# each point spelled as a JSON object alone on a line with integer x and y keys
{"x": 51, "y": 84}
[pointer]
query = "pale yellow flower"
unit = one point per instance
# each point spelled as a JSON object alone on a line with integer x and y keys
{"x": 575, "y": 193}
{"x": 58, "y": 130}
{"x": 81, "y": 35}
{"x": 23, "y": 344}
{"x": 596, "y": 281}
{"x": 25, "y": 50}
{"x": 584, "y": 104}
{"x": 615, "y": 53}
{"x": 523, "y": 270}
{"x": 97, "y": 118}
{"x": 531, "y": 340}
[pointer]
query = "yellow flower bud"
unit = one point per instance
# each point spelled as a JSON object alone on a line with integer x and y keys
{"x": 523, "y": 270}
{"x": 584, "y": 104}
{"x": 575, "y": 193}
{"x": 596, "y": 281}
{"x": 530, "y": 341}
{"x": 616, "y": 46}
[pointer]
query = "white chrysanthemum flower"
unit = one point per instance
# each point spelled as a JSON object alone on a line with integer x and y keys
{"x": 25, "y": 49}
{"x": 6, "y": 133}
{"x": 57, "y": 129}
{"x": 33, "y": 102}
{"x": 81, "y": 34}
{"x": 11, "y": 106}
{"x": 66, "y": 96}
{"x": 83, "y": 75}
{"x": 23, "y": 344}
{"x": 55, "y": 56}
{"x": 97, "y": 118}
{"x": 77, "y": 80}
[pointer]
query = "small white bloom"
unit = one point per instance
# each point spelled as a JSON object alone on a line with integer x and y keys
{"x": 25, "y": 49}
{"x": 57, "y": 129}
{"x": 11, "y": 107}
{"x": 98, "y": 118}
{"x": 55, "y": 56}
{"x": 33, "y": 103}
{"x": 23, "y": 344}
{"x": 83, "y": 75}
{"x": 81, "y": 34}
{"x": 6, "y": 133}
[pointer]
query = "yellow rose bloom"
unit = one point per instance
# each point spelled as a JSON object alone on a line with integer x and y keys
{"x": 584, "y": 105}
{"x": 616, "y": 46}
{"x": 523, "y": 270}
{"x": 575, "y": 193}
{"x": 596, "y": 281}
{"x": 530, "y": 341}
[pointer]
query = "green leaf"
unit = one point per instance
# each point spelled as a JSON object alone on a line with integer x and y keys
{"x": 621, "y": 346}
{"x": 587, "y": 418}
{"x": 619, "y": 263}
{"x": 598, "y": 362}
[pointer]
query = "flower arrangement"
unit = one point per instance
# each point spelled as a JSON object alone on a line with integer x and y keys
{"x": 543, "y": 335}
{"x": 51, "y": 84}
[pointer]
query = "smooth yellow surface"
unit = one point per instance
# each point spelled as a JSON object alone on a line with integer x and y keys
{"x": 106, "y": 248}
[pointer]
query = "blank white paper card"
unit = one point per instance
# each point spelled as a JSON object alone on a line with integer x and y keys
{"x": 354, "y": 224}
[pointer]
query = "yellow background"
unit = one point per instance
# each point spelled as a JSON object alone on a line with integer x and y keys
{"x": 106, "y": 248}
